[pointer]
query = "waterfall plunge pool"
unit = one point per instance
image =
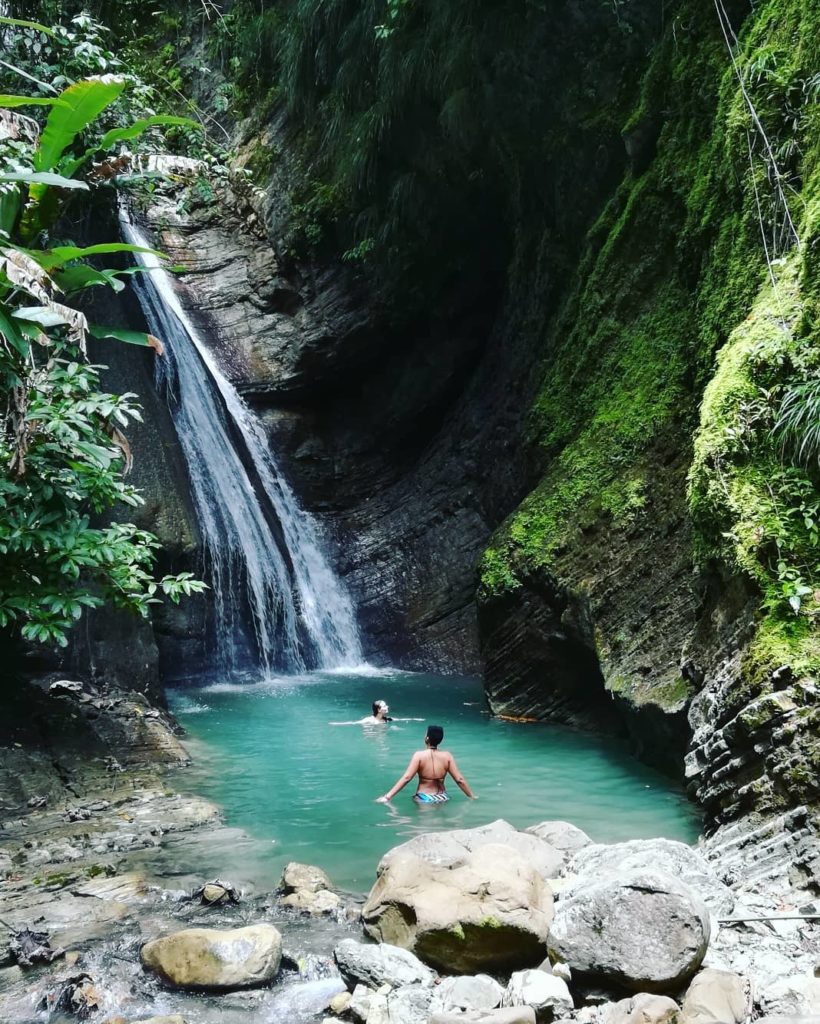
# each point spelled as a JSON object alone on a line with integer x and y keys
{"x": 305, "y": 790}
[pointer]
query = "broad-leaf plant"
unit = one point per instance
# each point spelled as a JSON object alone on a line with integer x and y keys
{"x": 64, "y": 456}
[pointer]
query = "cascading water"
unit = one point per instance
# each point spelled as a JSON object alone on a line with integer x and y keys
{"x": 278, "y": 597}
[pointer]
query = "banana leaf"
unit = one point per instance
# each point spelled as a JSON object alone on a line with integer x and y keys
{"x": 44, "y": 178}
{"x": 81, "y": 103}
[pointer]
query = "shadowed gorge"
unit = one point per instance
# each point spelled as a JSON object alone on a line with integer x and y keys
{"x": 471, "y": 364}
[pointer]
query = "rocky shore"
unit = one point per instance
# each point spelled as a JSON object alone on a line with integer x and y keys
{"x": 111, "y": 910}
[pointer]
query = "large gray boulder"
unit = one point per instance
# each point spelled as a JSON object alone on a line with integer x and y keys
{"x": 375, "y": 965}
{"x": 467, "y": 992}
{"x": 489, "y": 912}
{"x": 666, "y": 855}
{"x": 644, "y": 1008}
{"x": 447, "y": 849}
{"x": 718, "y": 997}
{"x": 646, "y": 933}
{"x": 207, "y": 958}
{"x": 546, "y": 994}
{"x": 561, "y": 835}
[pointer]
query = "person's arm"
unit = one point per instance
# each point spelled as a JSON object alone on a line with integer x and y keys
{"x": 459, "y": 779}
{"x": 412, "y": 769}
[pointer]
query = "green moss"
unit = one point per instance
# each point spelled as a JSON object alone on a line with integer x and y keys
{"x": 490, "y": 922}
{"x": 674, "y": 272}
{"x": 495, "y": 573}
{"x": 457, "y": 932}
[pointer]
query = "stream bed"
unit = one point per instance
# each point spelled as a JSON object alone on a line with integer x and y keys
{"x": 305, "y": 789}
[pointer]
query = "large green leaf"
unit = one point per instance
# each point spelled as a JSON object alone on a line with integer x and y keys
{"x": 123, "y": 334}
{"x": 50, "y": 259}
{"x": 74, "y": 279}
{"x": 9, "y": 208}
{"x": 44, "y": 178}
{"x": 12, "y": 334}
{"x": 80, "y": 104}
{"x": 28, "y": 101}
{"x": 131, "y": 132}
{"x": 20, "y": 23}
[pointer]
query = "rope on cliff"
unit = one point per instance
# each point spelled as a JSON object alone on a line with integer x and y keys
{"x": 770, "y": 917}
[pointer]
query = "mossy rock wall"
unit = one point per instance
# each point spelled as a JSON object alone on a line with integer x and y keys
{"x": 667, "y": 508}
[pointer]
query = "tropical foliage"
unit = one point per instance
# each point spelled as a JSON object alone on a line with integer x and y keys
{"x": 63, "y": 452}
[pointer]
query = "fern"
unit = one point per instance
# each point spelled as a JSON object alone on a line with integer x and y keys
{"x": 798, "y": 422}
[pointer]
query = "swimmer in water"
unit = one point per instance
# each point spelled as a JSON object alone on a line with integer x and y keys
{"x": 432, "y": 767}
{"x": 380, "y": 716}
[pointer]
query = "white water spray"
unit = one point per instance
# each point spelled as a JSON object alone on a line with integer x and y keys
{"x": 278, "y": 597}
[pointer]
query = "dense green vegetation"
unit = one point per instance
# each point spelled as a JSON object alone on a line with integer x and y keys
{"x": 63, "y": 452}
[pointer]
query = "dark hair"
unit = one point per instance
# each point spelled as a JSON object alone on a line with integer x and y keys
{"x": 435, "y": 734}
{"x": 376, "y": 705}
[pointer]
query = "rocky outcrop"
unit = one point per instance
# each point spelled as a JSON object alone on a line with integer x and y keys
{"x": 596, "y": 639}
{"x": 208, "y": 958}
{"x": 645, "y": 932}
{"x": 489, "y": 912}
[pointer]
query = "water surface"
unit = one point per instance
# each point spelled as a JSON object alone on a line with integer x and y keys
{"x": 268, "y": 755}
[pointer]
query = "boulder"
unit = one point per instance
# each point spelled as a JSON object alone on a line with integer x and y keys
{"x": 322, "y": 902}
{"x": 717, "y": 997}
{"x": 561, "y": 835}
{"x": 410, "y": 1004}
{"x": 643, "y": 1008}
{"x": 665, "y": 855}
{"x": 796, "y": 996}
{"x": 308, "y": 889}
{"x": 504, "y": 1015}
{"x": 303, "y": 877}
{"x": 212, "y": 959}
{"x": 646, "y": 933}
{"x": 546, "y": 994}
{"x": 364, "y": 963}
{"x": 448, "y": 849}
{"x": 490, "y": 912}
{"x": 468, "y": 992}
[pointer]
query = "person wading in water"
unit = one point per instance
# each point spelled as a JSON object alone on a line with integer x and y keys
{"x": 432, "y": 766}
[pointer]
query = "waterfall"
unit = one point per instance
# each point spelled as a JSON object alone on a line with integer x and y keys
{"x": 276, "y": 599}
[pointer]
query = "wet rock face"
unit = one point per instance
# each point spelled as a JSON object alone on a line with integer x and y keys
{"x": 596, "y": 639}
{"x": 401, "y": 440}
